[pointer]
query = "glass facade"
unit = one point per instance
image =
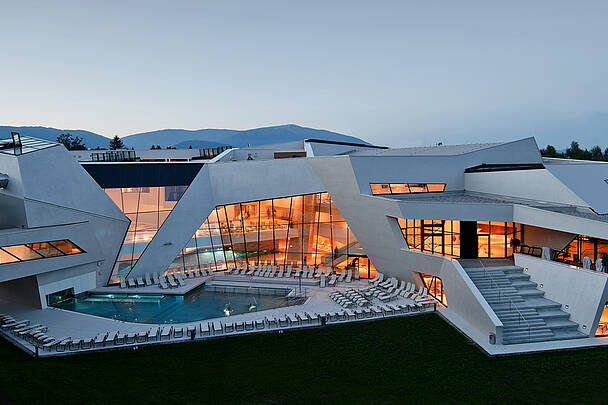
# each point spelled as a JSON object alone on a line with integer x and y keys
{"x": 435, "y": 287}
{"x": 443, "y": 237}
{"x": 405, "y": 188}
{"x": 439, "y": 237}
{"x": 299, "y": 230}
{"x": 602, "y": 326}
{"x": 583, "y": 246}
{"x": 38, "y": 250}
{"x": 147, "y": 208}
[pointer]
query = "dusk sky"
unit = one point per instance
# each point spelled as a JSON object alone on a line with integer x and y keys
{"x": 397, "y": 73}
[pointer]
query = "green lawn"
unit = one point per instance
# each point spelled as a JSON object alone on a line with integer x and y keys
{"x": 413, "y": 359}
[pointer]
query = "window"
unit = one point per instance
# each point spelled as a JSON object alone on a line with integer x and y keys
{"x": 406, "y": 188}
{"x": 147, "y": 208}
{"x": 441, "y": 237}
{"x": 434, "y": 286}
{"x": 37, "y": 250}
{"x": 299, "y": 230}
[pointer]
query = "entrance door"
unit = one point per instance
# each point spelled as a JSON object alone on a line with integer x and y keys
{"x": 468, "y": 240}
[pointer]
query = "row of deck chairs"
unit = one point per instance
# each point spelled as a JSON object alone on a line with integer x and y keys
{"x": 349, "y": 298}
{"x": 169, "y": 280}
{"x": 391, "y": 289}
{"x": 35, "y": 334}
{"x": 267, "y": 270}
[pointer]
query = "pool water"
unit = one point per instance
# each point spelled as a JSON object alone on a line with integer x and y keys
{"x": 204, "y": 302}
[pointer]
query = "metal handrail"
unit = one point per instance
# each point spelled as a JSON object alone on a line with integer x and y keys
{"x": 512, "y": 305}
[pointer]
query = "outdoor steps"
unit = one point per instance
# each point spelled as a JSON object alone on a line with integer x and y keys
{"x": 524, "y": 312}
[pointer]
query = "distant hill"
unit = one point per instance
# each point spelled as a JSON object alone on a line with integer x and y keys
{"x": 234, "y": 138}
{"x": 182, "y": 138}
{"x": 90, "y": 139}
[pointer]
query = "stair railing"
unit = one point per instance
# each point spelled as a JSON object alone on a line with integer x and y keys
{"x": 501, "y": 295}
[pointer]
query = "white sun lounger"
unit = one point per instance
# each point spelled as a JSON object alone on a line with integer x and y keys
{"x": 230, "y": 269}
{"x": 342, "y": 276}
{"x": 250, "y": 271}
{"x": 323, "y": 282}
{"x": 349, "y": 276}
{"x": 165, "y": 333}
{"x": 163, "y": 283}
{"x": 140, "y": 282}
{"x": 171, "y": 281}
{"x": 332, "y": 281}
{"x": 274, "y": 271}
{"x": 148, "y": 279}
{"x": 259, "y": 324}
{"x": 281, "y": 271}
{"x": 180, "y": 280}
{"x": 216, "y": 328}
{"x": 155, "y": 278}
{"x": 123, "y": 283}
{"x": 288, "y": 271}
{"x": 131, "y": 283}
{"x": 205, "y": 330}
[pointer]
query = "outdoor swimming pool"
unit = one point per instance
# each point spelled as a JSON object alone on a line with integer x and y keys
{"x": 204, "y": 302}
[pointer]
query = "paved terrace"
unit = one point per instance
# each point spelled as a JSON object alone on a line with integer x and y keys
{"x": 78, "y": 332}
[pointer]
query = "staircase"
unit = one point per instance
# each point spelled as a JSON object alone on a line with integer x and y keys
{"x": 526, "y": 315}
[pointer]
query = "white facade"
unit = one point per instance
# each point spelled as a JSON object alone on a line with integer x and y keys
{"x": 50, "y": 197}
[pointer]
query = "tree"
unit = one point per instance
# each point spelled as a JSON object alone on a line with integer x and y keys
{"x": 574, "y": 151}
{"x": 71, "y": 143}
{"x": 606, "y": 154}
{"x": 549, "y": 151}
{"x": 116, "y": 143}
{"x": 596, "y": 153}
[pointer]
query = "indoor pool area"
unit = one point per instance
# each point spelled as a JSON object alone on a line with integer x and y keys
{"x": 205, "y": 302}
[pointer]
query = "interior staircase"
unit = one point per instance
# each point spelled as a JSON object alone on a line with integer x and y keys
{"x": 526, "y": 314}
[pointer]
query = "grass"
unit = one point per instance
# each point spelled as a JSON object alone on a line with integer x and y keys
{"x": 398, "y": 360}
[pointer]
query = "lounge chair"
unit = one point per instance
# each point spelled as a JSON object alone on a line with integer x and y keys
{"x": 323, "y": 282}
{"x": 288, "y": 271}
{"x": 249, "y": 325}
{"x": 230, "y": 270}
{"x": 379, "y": 278}
{"x": 148, "y": 279}
{"x": 250, "y": 271}
{"x": 342, "y": 276}
{"x": 205, "y": 330}
{"x": 163, "y": 283}
{"x": 257, "y": 272}
{"x": 332, "y": 281}
{"x": 283, "y": 322}
{"x": 123, "y": 283}
{"x": 131, "y": 283}
{"x": 297, "y": 272}
{"x": 171, "y": 281}
{"x": 259, "y": 324}
{"x": 281, "y": 271}
{"x": 273, "y": 272}
{"x": 155, "y": 278}
{"x": 178, "y": 332}
{"x": 349, "y": 276}
{"x": 180, "y": 280}
{"x": 140, "y": 282}
{"x": 165, "y": 333}
{"x": 228, "y": 327}
{"x": 217, "y": 328}
{"x": 239, "y": 326}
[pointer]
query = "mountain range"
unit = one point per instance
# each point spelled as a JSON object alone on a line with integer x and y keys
{"x": 183, "y": 138}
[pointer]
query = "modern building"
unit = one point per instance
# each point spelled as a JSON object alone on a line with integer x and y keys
{"x": 513, "y": 247}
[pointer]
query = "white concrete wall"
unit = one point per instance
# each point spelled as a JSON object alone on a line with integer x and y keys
{"x": 80, "y": 283}
{"x": 560, "y": 222}
{"x": 582, "y": 293}
{"x": 373, "y": 222}
{"x": 538, "y": 185}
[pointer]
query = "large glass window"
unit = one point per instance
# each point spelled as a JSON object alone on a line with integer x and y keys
{"x": 147, "y": 208}
{"x": 443, "y": 237}
{"x": 299, "y": 230}
{"x": 406, "y": 188}
{"x": 37, "y": 250}
{"x": 583, "y": 246}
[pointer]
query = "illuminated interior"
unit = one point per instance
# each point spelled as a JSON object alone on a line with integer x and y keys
{"x": 38, "y": 250}
{"x": 299, "y": 230}
{"x": 439, "y": 237}
{"x": 435, "y": 287}
{"x": 583, "y": 246}
{"x": 602, "y": 326}
{"x": 444, "y": 237}
{"x": 147, "y": 208}
{"x": 405, "y": 188}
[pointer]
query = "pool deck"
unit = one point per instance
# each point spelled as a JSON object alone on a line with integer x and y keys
{"x": 190, "y": 284}
{"x": 63, "y": 323}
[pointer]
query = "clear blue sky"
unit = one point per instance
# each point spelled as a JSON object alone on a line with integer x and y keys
{"x": 392, "y": 72}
